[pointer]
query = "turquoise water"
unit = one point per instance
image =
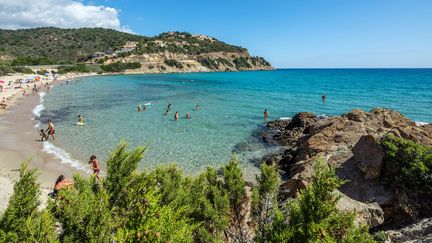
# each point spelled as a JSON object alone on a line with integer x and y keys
{"x": 231, "y": 113}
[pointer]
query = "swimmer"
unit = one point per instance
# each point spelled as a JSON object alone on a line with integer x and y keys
{"x": 138, "y": 108}
{"x": 80, "y": 119}
{"x": 265, "y": 114}
{"x": 188, "y": 116}
{"x": 197, "y": 107}
{"x": 324, "y": 98}
{"x": 176, "y": 115}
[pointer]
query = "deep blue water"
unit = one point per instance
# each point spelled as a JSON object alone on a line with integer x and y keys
{"x": 232, "y": 106}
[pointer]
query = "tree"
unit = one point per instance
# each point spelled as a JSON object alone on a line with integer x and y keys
{"x": 265, "y": 201}
{"x": 234, "y": 186}
{"x": 313, "y": 216}
{"x": 22, "y": 221}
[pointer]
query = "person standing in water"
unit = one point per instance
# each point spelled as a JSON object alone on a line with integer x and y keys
{"x": 265, "y": 114}
{"x": 95, "y": 166}
{"x": 176, "y": 116}
{"x": 50, "y": 129}
{"x": 197, "y": 107}
{"x": 80, "y": 119}
{"x": 138, "y": 108}
{"x": 188, "y": 116}
{"x": 324, "y": 98}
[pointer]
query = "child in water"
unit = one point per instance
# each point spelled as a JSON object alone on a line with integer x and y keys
{"x": 176, "y": 116}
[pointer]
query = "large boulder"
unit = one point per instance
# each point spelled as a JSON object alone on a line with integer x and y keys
{"x": 367, "y": 213}
{"x": 369, "y": 156}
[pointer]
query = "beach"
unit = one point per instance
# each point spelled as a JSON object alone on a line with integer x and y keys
{"x": 19, "y": 141}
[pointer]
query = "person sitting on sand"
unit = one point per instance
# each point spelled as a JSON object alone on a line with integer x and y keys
{"x": 43, "y": 135}
{"x": 265, "y": 114}
{"x": 50, "y": 129}
{"x": 188, "y": 116}
{"x": 139, "y": 108}
{"x": 176, "y": 115}
{"x": 95, "y": 166}
{"x": 61, "y": 183}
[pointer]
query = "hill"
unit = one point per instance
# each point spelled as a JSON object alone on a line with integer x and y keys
{"x": 171, "y": 51}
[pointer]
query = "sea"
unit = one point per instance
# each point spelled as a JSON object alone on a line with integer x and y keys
{"x": 230, "y": 120}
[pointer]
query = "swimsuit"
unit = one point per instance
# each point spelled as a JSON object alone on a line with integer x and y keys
{"x": 96, "y": 170}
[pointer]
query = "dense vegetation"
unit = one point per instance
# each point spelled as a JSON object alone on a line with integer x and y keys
{"x": 78, "y": 68}
{"x": 410, "y": 165}
{"x": 173, "y": 63}
{"x": 164, "y": 205}
{"x": 120, "y": 66}
{"x": 60, "y": 46}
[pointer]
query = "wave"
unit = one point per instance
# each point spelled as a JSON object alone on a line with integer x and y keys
{"x": 39, "y": 108}
{"x": 421, "y": 123}
{"x": 63, "y": 156}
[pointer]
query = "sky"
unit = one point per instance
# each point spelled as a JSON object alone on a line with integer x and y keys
{"x": 288, "y": 33}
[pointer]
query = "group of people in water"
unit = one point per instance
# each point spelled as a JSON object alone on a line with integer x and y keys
{"x": 176, "y": 114}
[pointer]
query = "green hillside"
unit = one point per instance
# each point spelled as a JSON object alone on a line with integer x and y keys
{"x": 65, "y": 46}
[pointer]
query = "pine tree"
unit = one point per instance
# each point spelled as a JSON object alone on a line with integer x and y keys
{"x": 313, "y": 216}
{"x": 22, "y": 221}
{"x": 265, "y": 201}
{"x": 234, "y": 186}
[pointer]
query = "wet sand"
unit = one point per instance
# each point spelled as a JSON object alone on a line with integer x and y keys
{"x": 20, "y": 142}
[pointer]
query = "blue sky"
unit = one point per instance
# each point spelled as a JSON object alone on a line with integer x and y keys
{"x": 290, "y": 33}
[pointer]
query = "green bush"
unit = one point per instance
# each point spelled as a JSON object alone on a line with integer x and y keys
{"x": 312, "y": 216}
{"x": 410, "y": 164}
{"x": 29, "y": 61}
{"x": 78, "y": 68}
{"x": 241, "y": 63}
{"x": 120, "y": 66}
{"x": 5, "y": 68}
{"x": 22, "y": 222}
{"x": 25, "y": 70}
{"x": 208, "y": 62}
{"x": 173, "y": 63}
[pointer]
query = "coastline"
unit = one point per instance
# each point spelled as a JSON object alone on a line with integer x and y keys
{"x": 19, "y": 143}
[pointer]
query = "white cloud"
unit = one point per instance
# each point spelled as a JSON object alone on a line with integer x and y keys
{"x": 22, "y": 14}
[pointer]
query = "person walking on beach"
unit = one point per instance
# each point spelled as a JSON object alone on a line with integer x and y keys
{"x": 176, "y": 116}
{"x": 50, "y": 129}
{"x": 61, "y": 183}
{"x": 265, "y": 114}
{"x": 95, "y": 166}
{"x": 324, "y": 98}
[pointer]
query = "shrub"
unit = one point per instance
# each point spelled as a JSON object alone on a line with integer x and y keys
{"x": 5, "y": 68}
{"x": 22, "y": 221}
{"x": 410, "y": 164}
{"x": 313, "y": 217}
{"x": 78, "y": 68}
{"x": 120, "y": 66}
{"x": 241, "y": 63}
{"x": 208, "y": 62}
{"x": 173, "y": 63}
{"x": 25, "y": 70}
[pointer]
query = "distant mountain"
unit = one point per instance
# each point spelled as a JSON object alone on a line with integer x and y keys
{"x": 167, "y": 52}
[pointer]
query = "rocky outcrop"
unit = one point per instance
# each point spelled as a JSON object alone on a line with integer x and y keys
{"x": 418, "y": 232}
{"x": 351, "y": 143}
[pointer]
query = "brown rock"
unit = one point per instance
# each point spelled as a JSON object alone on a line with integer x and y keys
{"x": 369, "y": 156}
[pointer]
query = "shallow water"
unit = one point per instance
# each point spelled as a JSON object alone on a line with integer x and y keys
{"x": 232, "y": 106}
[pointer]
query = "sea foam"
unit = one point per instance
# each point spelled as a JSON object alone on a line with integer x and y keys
{"x": 39, "y": 108}
{"x": 421, "y": 123}
{"x": 63, "y": 156}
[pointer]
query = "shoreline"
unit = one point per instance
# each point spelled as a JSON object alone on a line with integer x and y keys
{"x": 19, "y": 143}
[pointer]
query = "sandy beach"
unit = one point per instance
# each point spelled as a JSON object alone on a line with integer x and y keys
{"x": 20, "y": 141}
